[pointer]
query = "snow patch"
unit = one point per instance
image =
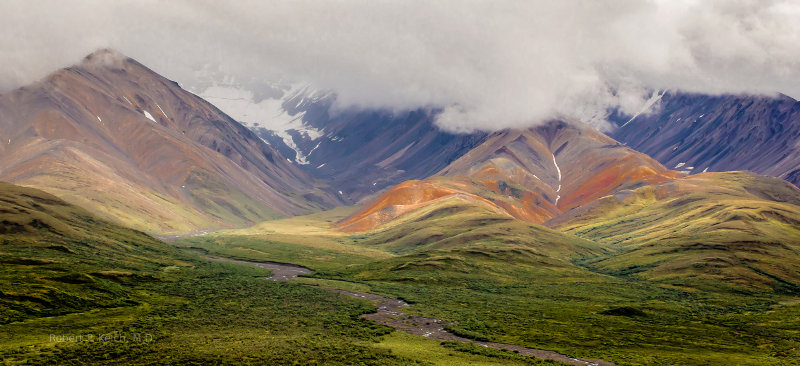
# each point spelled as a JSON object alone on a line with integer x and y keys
{"x": 300, "y": 158}
{"x": 149, "y": 116}
{"x": 321, "y": 165}
{"x": 558, "y": 197}
{"x": 127, "y": 100}
{"x": 98, "y": 118}
{"x": 705, "y": 170}
{"x": 162, "y": 111}
{"x": 557, "y": 168}
{"x": 267, "y": 113}
{"x": 679, "y": 165}
{"x": 315, "y": 147}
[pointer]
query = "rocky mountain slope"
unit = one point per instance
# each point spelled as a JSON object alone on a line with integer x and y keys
{"x": 359, "y": 152}
{"x": 734, "y": 230}
{"x": 115, "y": 137}
{"x": 533, "y": 175}
{"x": 696, "y": 133}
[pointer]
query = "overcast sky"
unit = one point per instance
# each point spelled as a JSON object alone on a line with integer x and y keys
{"x": 489, "y": 64}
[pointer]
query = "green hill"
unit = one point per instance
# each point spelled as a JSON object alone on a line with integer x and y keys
{"x": 58, "y": 258}
{"x": 458, "y": 223}
{"x": 722, "y": 230}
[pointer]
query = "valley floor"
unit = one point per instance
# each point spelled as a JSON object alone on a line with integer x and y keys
{"x": 223, "y": 312}
{"x": 495, "y": 293}
{"x": 389, "y": 312}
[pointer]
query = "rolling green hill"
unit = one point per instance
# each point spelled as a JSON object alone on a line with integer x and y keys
{"x": 77, "y": 290}
{"x": 455, "y": 223}
{"x": 502, "y": 279}
{"x": 722, "y": 230}
{"x": 58, "y": 258}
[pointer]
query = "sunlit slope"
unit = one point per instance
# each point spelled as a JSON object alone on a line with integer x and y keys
{"x": 718, "y": 229}
{"x": 455, "y": 223}
{"x": 58, "y": 258}
{"x": 414, "y": 195}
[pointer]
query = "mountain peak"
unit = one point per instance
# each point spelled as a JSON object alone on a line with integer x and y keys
{"x": 105, "y": 57}
{"x": 111, "y": 119}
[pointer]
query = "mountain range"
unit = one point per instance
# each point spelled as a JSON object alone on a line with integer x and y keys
{"x": 671, "y": 239}
{"x": 696, "y": 133}
{"x": 686, "y": 132}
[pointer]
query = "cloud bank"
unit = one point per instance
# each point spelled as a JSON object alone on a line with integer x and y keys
{"x": 487, "y": 64}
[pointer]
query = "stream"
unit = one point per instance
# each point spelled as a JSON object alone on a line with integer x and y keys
{"x": 389, "y": 313}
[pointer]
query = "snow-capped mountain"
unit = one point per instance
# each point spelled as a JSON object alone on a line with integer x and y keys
{"x": 114, "y": 136}
{"x": 277, "y": 118}
{"x": 357, "y": 152}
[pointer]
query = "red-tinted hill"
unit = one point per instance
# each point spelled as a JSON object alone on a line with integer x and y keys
{"x": 533, "y": 174}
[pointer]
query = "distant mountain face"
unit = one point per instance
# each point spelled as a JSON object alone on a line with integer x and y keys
{"x": 533, "y": 175}
{"x": 697, "y": 133}
{"x": 113, "y": 136}
{"x": 358, "y": 152}
{"x": 366, "y": 151}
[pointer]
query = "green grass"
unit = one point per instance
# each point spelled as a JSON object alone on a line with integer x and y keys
{"x": 334, "y": 284}
{"x": 452, "y": 353}
{"x": 306, "y": 240}
{"x": 57, "y": 258}
{"x": 496, "y": 279}
{"x": 211, "y": 313}
{"x": 222, "y": 313}
{"x": 77, "y": 290}
{"x": 720, "y": 232}
{"x": 321, "y": 258}
{"x": 565, "y": 312}
{"x": 455, "y": 223}
{"x": 517, "y": 283}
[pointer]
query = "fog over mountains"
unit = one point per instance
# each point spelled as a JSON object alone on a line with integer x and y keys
{"x": 487, "y": 65}
{"x": 594, "y": 183}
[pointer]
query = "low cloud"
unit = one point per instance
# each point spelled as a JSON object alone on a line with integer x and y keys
{"x": 487, "y": 64}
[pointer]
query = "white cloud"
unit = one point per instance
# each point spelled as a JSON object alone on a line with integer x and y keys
{"x": 489, "y": 64}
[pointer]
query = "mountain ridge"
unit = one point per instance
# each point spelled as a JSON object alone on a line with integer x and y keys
{"x": 517, "y": 172}
{"x": 719, "y": 133}
{"x": 160, "y": 158}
